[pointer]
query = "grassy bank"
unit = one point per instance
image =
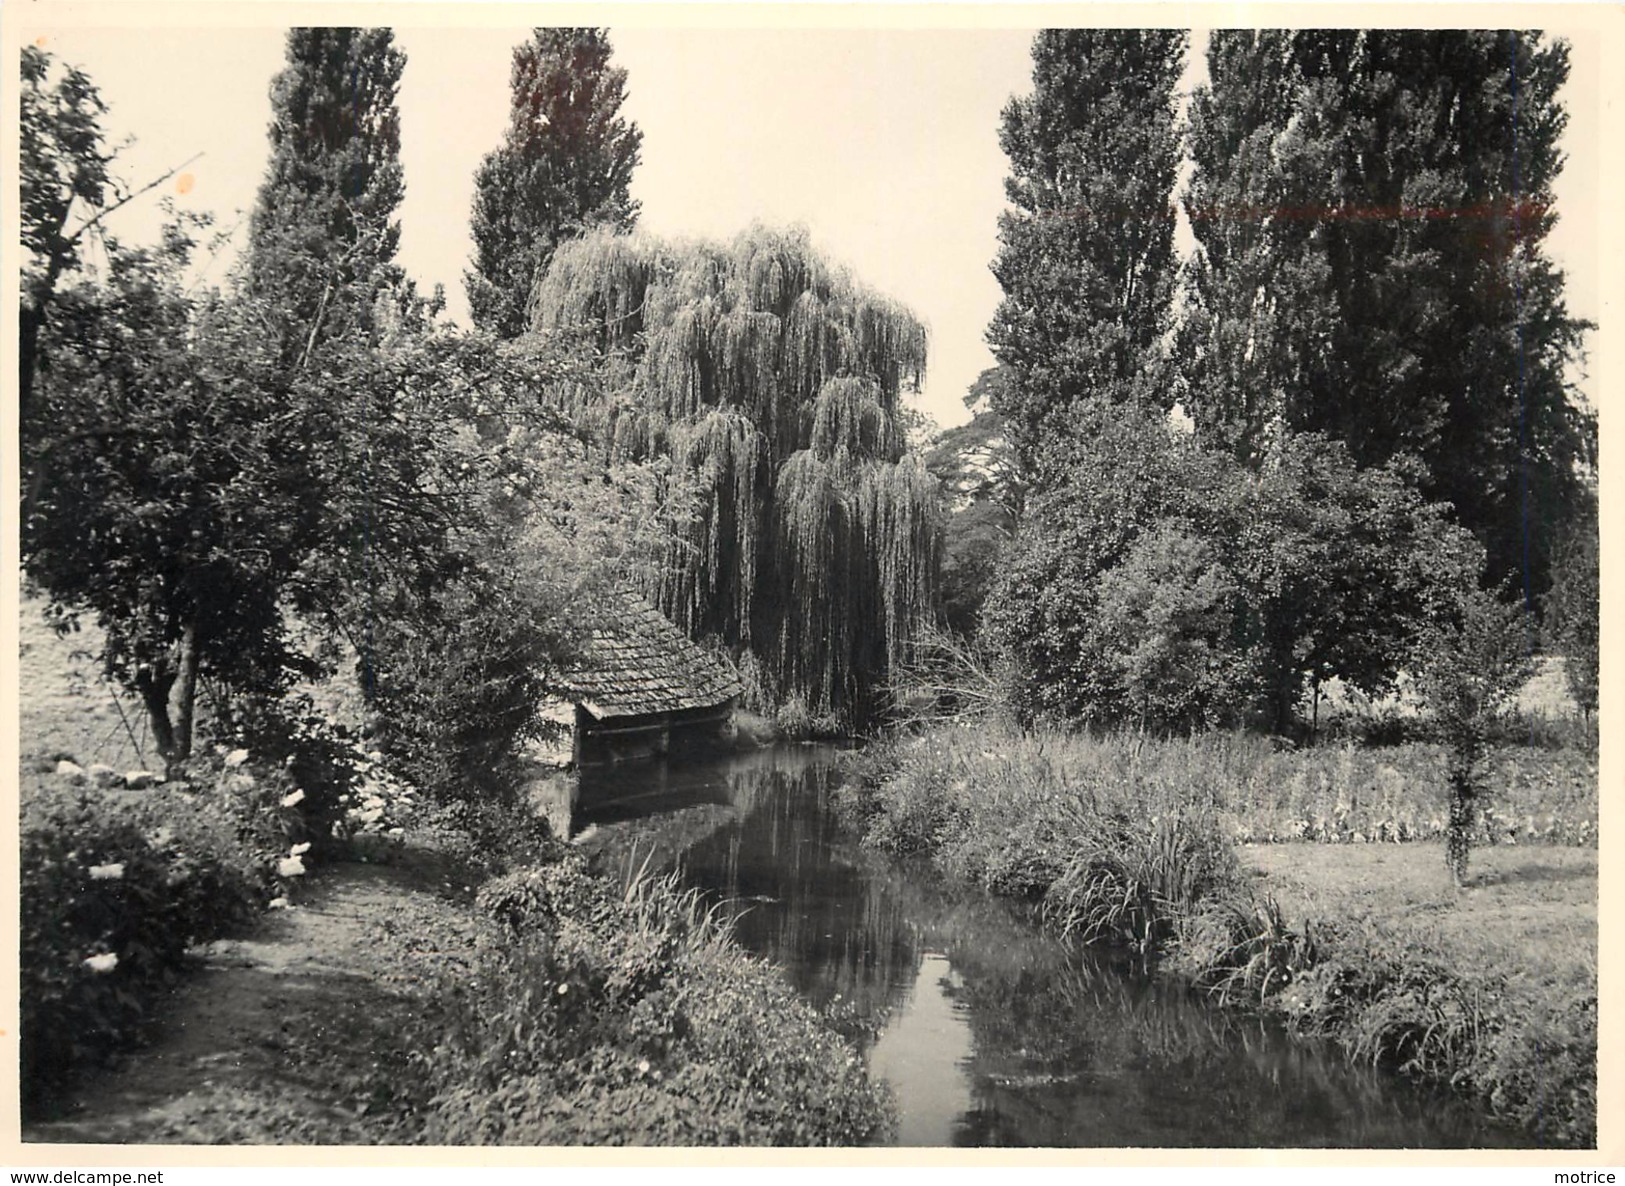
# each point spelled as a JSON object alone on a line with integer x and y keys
{"x": 1491, "y": 989}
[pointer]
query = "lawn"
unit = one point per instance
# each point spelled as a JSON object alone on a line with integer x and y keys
{"x": 1529, "y": 912}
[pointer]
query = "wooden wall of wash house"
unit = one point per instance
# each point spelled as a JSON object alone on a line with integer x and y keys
{"x": 622, "y": 739}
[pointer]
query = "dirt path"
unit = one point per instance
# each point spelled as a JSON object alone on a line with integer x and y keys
{"x": 297, "y": 1034}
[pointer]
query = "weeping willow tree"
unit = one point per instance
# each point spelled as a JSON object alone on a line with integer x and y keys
{"x": 771, "y": 380}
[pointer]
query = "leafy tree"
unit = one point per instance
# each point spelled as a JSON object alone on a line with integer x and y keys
{"x": 170, "y": 489}
{"x": 324, "y": 234}
{"x": 1157, "y": 559}
{"x": 565, "y": 165}
{"x": 1165, "y": 615}
{"x": 1470, "y": 665}
{"x": 1086, "y": 258}
{"x": 62, "y": 161}
{"x": 1370, "y": 208}
{"x": 1126, "y": 477}
{"x": 771, "y": 381}
{"x": 1341, "y": 566}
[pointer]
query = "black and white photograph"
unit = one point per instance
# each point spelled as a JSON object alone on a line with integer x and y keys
{"x": 877, "y": 577}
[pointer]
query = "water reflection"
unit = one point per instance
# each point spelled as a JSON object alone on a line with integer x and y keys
{"x": 989, "y": 1031}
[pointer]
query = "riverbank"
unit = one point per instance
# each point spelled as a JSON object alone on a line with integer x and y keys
{"x": 439, "y": 974}
{"x": 406, "y": 1003}
{"x": 1491, "y": 989}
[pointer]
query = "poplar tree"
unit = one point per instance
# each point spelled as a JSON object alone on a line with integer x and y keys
{"x": 1086, "y": 256}
{"x": 564, "y": 166}
{"x": 324, "y": 232}
{"x": 1370, "y": 208}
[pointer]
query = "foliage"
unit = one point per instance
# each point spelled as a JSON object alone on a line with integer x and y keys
{"x": 115, "y": 889}
{"x": 62, "y": 165}
{"x": 631, "y": 1018}
{"x": 564, "y": 166}
{"x": 1164, "y": 614}
{"x": 169, "y": 487}
{"x": 984, "y": 495}
{"x": 1086, "y": 258}
{"x": 1574, "y": 606}
{"x": 195, "y": 494}
{"x": 1370, "y": 208}
{"x": 771, "y": 380}
{"x": 1125, "y": 477}
{"x": 1342, "y": 567}
{"x": 1158, "y": 582}
{"x": 323, "y": 234}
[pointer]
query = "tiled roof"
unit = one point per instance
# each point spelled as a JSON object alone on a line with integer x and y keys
{"x": 637, "y": 662}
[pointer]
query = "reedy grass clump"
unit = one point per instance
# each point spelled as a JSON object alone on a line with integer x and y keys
{"x": 628, "y": 1016}
{"x": 1106, "y": 836}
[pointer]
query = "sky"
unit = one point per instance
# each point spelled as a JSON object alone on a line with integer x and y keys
{"x": 882, "y": 142}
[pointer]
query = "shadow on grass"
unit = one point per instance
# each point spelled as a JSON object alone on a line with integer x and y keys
{"x": 1531, "y": 874}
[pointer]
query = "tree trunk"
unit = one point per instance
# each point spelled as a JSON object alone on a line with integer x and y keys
{"x": 1463, "y": 806}
{"x": 185, "y": 698}
{"x": 154, "y": 688}
{"x": 27, "y": 352}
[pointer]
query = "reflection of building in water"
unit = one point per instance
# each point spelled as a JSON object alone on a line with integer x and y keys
{"x": 642, "y": 687}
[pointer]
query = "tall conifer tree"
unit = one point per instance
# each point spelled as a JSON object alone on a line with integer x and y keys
{"x": 1370, "y": 208}
{"x": 1086, "y": 258}
{"x": 324, "y": 232}
{"x": 564, "y": 165}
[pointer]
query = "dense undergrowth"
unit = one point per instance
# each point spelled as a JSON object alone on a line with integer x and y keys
{"x": 630, "y": 1017}
{"x": 1130, "y": 840}
{"x": 116, "y": 886}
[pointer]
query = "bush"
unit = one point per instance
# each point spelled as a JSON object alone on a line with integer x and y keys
{"x": 114, "y": 890}
{"x": 631, "y": 1018}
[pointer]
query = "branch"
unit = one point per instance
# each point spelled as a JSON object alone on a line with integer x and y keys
{"x": 127, "y": 199}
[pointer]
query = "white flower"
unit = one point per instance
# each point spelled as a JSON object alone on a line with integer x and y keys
{"x": 294, "y": 799}
{"x": 643, "y": 1066}
{"x": 105, "y": 962}
{"x": 563, "y": 988}
{"x": 277, "y": 904}
{"x": 299, "y": 850}
{"x": 107, "y": 872}
{"x": 290, "y": 867}
{"x": 236, "y": 758}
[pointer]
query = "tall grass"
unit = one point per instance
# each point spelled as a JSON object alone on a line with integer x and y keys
{"x": 1111, "y": 838}
{"x": 627, "y": 1016}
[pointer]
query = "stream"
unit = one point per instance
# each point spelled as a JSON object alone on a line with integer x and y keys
{"x": 988, "y": 1030}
